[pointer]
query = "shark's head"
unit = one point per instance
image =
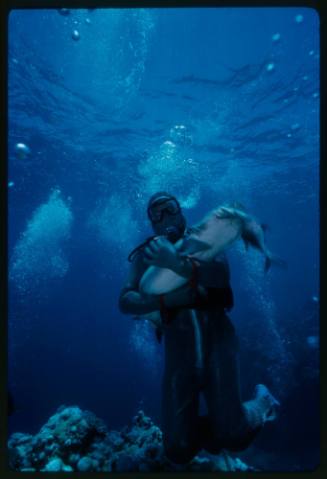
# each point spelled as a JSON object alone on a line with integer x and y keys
{"x": 166, "y": 216}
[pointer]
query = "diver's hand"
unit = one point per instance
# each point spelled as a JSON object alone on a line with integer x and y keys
{"x": 136, "y": 303}
{"x": 162, "y": 253}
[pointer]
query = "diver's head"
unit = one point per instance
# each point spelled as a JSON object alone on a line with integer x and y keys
{"x": 166, "y": 216}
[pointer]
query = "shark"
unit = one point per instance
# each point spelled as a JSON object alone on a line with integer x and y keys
{"x": 218, "y": 230}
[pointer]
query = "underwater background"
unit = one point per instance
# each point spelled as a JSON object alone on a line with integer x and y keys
{"x": 108, "y": 106}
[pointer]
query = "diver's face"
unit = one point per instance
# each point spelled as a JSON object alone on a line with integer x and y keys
{"x": 167, "y": 222}
{"x": 167, "y": 219}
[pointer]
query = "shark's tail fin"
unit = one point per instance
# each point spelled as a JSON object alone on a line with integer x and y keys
{"x": 271, "y": 259}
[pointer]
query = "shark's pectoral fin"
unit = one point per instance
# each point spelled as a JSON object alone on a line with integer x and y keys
{"x": 193, "y": 245}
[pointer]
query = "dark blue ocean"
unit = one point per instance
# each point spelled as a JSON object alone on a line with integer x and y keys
{"x": 211, "y": 105}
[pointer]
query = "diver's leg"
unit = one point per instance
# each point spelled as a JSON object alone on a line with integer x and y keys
{"x": 180, "y": 403}
{"x": 180, "y": 392}
{"x": 222, "y": 390}
{"x": 233, "y": 424}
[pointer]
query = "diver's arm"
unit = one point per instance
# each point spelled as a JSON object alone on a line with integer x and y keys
{"x": 161, "y": 253}
{"x": 131, "y": 301}
{"x": 214, "y": 274}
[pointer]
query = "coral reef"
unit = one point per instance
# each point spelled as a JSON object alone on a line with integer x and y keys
{"x": 76, "y": 440}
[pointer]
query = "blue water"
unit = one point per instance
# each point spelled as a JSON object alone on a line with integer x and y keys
{"x": 209, "y": 104}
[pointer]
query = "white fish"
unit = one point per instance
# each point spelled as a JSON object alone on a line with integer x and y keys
{"x": 216, "y": 232}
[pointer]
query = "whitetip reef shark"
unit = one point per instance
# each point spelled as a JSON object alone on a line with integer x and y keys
{"x": 215, "y": 233}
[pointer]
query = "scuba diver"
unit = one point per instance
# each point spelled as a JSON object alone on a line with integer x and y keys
{"x": 201, "y": 347}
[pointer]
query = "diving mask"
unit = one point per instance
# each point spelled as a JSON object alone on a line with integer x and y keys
{"x": 161, "y": 206}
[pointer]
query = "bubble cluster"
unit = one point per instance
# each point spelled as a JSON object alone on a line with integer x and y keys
{"x": 114, "y": 223}
{"x": 257, "y": 287}
{"x": 38, "y": 254}
{"x": 142, "y": 341}
{"x": 179, "y": 135}
{"x": 170, "y": 166}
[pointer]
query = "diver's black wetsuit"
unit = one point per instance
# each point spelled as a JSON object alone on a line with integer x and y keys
{"x": 201, "y": 355}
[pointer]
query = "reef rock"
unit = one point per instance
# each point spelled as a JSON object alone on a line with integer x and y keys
{"x": 76, "y": 440}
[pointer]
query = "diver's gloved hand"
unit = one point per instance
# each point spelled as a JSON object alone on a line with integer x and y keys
{"x": 162, "y": 253}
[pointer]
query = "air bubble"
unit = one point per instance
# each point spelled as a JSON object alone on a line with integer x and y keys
{"x": 22, "y": 150}
{"x": 75, "y": 35}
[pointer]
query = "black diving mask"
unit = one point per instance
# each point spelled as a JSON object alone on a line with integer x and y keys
{"x": 166, "y": 205}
